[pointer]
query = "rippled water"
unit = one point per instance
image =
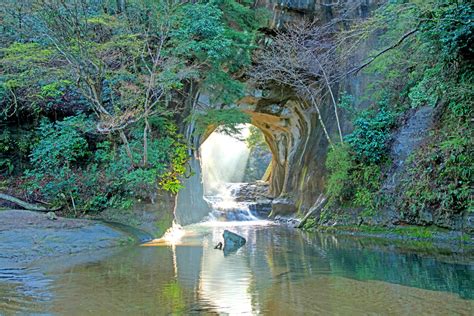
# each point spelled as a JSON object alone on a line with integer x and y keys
{"x": 280, "y": 271}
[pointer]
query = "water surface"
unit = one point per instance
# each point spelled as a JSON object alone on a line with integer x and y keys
{"x": 280, "y": 271}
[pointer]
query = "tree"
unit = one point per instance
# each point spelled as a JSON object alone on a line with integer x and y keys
{"x": 303, "y": 57}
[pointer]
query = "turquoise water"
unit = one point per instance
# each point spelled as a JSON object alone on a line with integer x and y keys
{"x": 280, "y": 271}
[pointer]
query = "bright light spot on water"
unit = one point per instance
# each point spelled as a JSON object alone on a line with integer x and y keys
{"x": 224, "y": 159}
{"x": 172, "y": 236}
{"x": 232, "y": 224}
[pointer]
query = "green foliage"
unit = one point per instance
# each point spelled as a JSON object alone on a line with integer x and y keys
{"x": 60, "y": 145}
{"x": 167, "y": 160}
{"x": 350, "y": 182}
{"x": 255, "y": 138}
{"x": 201, "y": 33}
{"x": 6, "y": 164}
{"x": 450, "y": 30}
{"x": 440, "y": 177}
{"x": 130, "y": 74}
{"x": 367, "y": 180}
{"x": 339, "y": 164}
{"x": 219, "y": 35}
{"x": 427, "y": 90}
{"x": 67, "y": 172}
{"x": 371, "y": 135}
{"x": 310, "y": 224}
{"x": 227, "y": 120}
{"x": 431, "y": 67}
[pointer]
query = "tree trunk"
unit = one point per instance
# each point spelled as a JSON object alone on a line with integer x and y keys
{"x": 127, "y": 147}
{"x": 146, "y": 130}
{"x": 25, "y": 205}
{"x": 318, "y": 205}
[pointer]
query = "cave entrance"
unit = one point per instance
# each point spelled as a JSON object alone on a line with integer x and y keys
{"x": 235, "y": 172}
{"x": 237, "y": 158}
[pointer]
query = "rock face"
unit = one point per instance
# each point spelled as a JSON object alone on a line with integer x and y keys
{"x": 232, "y": 242}
{"x": 299, "y": 148}
{"x": 257, "y": 196}
{"x": 153, "y": 219}
{"x": 28, "y": 236}
{"x": 291, "y": 127}
{"x": 190, "y": 204}
{"x": 407, "y": 139}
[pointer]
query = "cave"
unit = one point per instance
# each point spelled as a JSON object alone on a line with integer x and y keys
{"x": 296, "y": 173}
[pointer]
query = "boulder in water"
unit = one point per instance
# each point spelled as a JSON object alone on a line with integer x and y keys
{"x": 232, "y": 242}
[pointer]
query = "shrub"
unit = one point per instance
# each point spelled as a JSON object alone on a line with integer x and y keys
{"x": 61, "y": 145}
{"x": 339, "y": 164}
{"x": 371, "y": 135}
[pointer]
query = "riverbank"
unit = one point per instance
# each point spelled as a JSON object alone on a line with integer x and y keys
{"x": 27, "y": 236}
{"x": 414, "y": 238}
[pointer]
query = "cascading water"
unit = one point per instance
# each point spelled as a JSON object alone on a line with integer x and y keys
{"x": 225, "y": 207}
{"x": 224, "y": 159}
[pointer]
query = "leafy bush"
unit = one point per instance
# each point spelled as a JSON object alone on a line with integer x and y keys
{"x": 367, "y": 179}
{"x": 451, "y": 30}
{"x": 61, "y": 144}
{"x": 67, "y": 172}
{"x": 339, "y": 164}
{"x": 440, "y": 178}
{"x": 371, "y": 135}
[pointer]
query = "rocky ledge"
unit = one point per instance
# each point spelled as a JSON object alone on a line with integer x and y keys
{"x": 256, "y": 194}
{"x": 28, "y": 236}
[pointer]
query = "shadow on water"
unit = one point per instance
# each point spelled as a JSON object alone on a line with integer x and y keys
{"x": 278, "y": 271}
{"x": 140, "y": 235}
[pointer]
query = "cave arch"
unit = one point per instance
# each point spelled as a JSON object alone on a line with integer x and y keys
{"x": 274, "y": 131}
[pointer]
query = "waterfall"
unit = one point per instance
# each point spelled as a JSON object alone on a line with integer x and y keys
{"x": 224, "y": 160}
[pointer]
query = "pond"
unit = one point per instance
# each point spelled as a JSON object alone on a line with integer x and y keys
{"x": 280, "y": 271}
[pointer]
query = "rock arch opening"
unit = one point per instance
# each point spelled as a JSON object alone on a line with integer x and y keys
{"x": 243, "y": 157}
{"x": 233, "y": 171}
{"x": 277, "y": 133}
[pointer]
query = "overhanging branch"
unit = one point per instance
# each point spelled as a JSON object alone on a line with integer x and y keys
{"x": 398, "y": 43}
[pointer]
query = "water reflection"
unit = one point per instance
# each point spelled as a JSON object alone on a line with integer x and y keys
{"x": 279, "y": 271}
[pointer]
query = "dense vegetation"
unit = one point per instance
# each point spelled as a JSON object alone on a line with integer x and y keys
{"x": 94, "y": 94}
{"x": 431, "y": 65}
{"x": 99, "y": 98}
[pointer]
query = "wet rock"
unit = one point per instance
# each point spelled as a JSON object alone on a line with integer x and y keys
{"x": 283, "y": 206}
{"x": 155, "y": 219}
{"x": 51, "y": 216}
{"x": 232, "y": 242}
{"x": 410, "y": 136}
{"x": 28, "y": 236}
{"x": 250, "y": 192}
{"x": 254, "y": 196}
{"x": 289, "y": 221}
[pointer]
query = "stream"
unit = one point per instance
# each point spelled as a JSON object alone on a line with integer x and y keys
{"x": 280, "y": 271}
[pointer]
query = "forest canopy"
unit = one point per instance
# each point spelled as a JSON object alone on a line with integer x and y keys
{"x": 93, "y": 93}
